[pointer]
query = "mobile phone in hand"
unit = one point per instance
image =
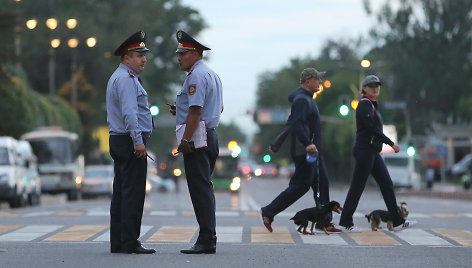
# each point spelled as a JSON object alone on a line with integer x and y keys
{"x": 172, "y": 107}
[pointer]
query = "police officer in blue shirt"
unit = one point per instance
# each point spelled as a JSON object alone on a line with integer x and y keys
{"x": 129, "y": 125}
{"x": 200, "y": 99}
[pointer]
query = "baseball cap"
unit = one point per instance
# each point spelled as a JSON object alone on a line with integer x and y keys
{"x": 371, "y": 79}
{"x": 309, "y": 73}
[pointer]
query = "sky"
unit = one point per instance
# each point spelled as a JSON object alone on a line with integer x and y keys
{"x": 250, "y": 37}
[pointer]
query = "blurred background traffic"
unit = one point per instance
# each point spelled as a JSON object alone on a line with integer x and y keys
{"x": 57, "y": 58}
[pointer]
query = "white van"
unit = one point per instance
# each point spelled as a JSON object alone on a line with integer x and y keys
{"x": 19, "y": 181}
{"x": 403, "y": 169}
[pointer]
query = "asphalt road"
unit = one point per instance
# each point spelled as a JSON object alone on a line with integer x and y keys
{"x": 75, "y": 234}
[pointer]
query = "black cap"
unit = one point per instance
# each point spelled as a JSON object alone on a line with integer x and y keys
{"x": 371, "y": 79}
{"x": 134, "y": 43}
{"x": 187, "y": 43}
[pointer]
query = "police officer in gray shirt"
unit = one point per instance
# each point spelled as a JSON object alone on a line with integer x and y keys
{"x": 200, "y": 99}
{"x": 130, "y": 125}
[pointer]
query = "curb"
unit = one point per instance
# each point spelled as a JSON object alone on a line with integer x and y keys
{"x": 462, "y": 195}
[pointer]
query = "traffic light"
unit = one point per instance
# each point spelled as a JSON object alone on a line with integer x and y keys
{"x": 267, "y": 158}
{"x": 343, "y": 105}
{"x": 154, "y": 110}
{"x": 411, "y": 151}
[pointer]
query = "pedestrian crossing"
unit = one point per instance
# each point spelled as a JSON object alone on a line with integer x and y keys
{"x": 231, "y": 213}
{"x": 285, "y": 235}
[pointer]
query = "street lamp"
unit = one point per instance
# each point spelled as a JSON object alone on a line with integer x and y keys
{"x": 31, "y": 24}
{"x": 51, "y": 23}
{"x": 71, "y": 23}
{"x": 91, "y": 41}
{"x": 365, "y": 63}
{"x": 73, "y": 43}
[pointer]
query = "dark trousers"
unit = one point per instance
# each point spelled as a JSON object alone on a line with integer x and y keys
{"x": 129, "y": 189}
{"x": 320, "y": 180}
{"x": 299, "y": 184}
{"x": 369, "y": 162}
{"x": 198, "y": 168}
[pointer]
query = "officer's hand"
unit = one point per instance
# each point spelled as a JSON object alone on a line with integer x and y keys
{"x": 272, "y": 149}
{"x": 396, "y": 148}
{"x": 140, "y": 151}
{"x": 311, "y": 149}
{"x": 185, "y": 148}
{"x": 172, "y": 111}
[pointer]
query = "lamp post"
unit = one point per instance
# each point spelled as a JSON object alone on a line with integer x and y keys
{"x": 73, "y": 43}
{"x": 51, "y": 23}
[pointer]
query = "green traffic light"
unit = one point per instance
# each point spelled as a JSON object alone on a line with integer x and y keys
{"x": 154, "y": 110}
{"x": 267, "y": 158}
{"x": 343, "y": 110}
{"x": 411, "y": 151}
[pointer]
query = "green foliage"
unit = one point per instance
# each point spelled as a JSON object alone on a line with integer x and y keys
{"x": 23, "y": 109}
{"x": 424, "y": 46}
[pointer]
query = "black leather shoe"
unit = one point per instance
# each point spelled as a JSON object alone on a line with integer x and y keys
{"x": 140, "y": 250}
{"x": 200, "y": 249}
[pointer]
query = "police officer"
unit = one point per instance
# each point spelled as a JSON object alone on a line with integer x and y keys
{"x": 306, "y": 138}
{"x": 369, "y": 140}
{"x": 200, "y": 99}
{"x": 130, "y": 125}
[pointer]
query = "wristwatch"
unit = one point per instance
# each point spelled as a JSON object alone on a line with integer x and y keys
{"x": 184, "y": 141}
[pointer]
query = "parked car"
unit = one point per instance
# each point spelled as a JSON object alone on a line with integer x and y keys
{"x": 19, "y": 181}
{"x": 463, "y": 166}
{"x": 98, "y": 180}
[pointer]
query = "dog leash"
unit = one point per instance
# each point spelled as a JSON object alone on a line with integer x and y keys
{"x": 317, "y": 172}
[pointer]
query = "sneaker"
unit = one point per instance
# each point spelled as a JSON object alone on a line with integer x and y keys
{"x": 333, "y": 230}
{"x": 406, "y": 224}
{"x": 266, "y": 221}
{"x": 351, "y": 229}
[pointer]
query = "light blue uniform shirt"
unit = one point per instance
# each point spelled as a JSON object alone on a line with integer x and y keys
{"x": 127, "y": 105}
{"x": 202, "y": 88}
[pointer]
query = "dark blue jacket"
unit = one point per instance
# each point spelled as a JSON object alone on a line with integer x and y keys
{"x": 369, "y": 124}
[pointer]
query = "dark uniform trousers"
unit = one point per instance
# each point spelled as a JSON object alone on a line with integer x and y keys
{"x": 198, "y": 168}
{"x": 321, "y": 181}
{"x": 129, "y": 190}
{"x": 299, "y": 184}
{"x": 369, "y": 162}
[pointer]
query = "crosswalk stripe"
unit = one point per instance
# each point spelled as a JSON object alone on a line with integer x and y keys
{"x": 70, "y": 213}
{"x": 98, "y": 213}
{"x": 279, "y": 235}
{"x": 227, "y": 213}
{"x": 323, "y": 239}
{"x": 6, "y": 228}
{"x": 175, "y": 234}
{"x": 188, "y": 213}
{"x": 460, "y": 236}
{"x": 105, "y": 237}
{"x": 29, "y": 233}
{"x": 229, "y": 234}
{"x": 417, "y": 237}
{"x": 377, "y": 238}
{"x": 251, "y": 213}
{"x": 41, "y": 213}
{"x": 286, "y": 214}
{"x": 468, "y": 215}
{"x": 418, "y": 216}
{"x": 8, "y": 214}
{"x": 76, "y": 233}
{"x": 163, "y": 213}
{"x": 446, "y": 215}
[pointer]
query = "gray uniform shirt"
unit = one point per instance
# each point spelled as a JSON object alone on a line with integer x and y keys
{"x": 127, "y": 105}
{"x": 202, "y": 88}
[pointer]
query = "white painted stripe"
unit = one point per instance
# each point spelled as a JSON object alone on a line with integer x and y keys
{"x": 35, "y": 214}
{"x": 227, "y": 213}
{"x": 468, "y": 215}
{"x": 287, "y": 214}
{"x": 418, "y": 237}
{"x": 229, "y": 234}
{"x": 98, "y": 213}
{"x": 359, "y": 215}
{"x": 253, "y": 204}
{"x": 418, "y": 216}
{"x": 323, "y": 239}
{"x": 105, "y": 237}
{"x": 243, "y": 205}
{"x": 29, "y": 233}
{"x": 163, "y": 213}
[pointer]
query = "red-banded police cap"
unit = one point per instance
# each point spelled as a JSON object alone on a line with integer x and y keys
{"x": 187, "y": 43}
{"x": 135, "y": 42}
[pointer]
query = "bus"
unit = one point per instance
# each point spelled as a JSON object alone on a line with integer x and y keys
{"x": 404, "y": 170}
{"x": 60, "y": 165}
{"x": 225, "y": 174}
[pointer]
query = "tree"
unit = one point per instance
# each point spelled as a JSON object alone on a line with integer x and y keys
{"x": 425, "y": 48}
